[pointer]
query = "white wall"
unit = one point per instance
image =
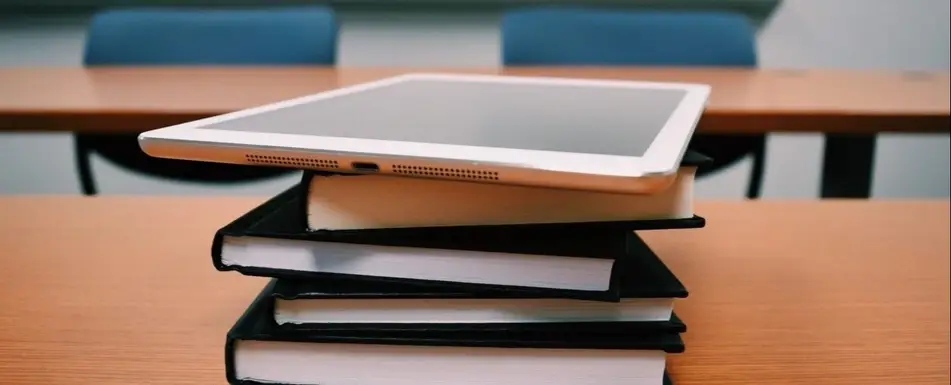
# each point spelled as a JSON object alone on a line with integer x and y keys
{"x": 861, "y": 34}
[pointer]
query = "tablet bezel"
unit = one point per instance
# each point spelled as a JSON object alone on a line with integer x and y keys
{"x": 662, "y": 156}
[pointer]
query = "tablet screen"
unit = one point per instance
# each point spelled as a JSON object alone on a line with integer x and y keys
{"x": 593, "y": 120}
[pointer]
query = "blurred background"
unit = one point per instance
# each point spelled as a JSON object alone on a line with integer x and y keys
{"x": 907, "y": 35}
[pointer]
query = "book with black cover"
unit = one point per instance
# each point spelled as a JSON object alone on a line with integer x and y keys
{"x": 336, "y": 201}
{"x": 257, "y": 351}
{"x": 562, "y": 260}
{"x": 647, "y": 289}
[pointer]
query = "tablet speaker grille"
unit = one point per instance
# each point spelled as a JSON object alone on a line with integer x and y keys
{"x": 291, "y": 161}
{"x": 461, "y": 173}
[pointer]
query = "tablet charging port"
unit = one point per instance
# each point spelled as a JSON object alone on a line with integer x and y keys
{"x": 365, "y": 166}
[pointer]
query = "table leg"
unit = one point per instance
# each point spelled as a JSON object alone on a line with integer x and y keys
{"x": 847, "y": 166}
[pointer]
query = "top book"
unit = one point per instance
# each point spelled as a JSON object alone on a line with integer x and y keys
{"x": 358, "y": 202}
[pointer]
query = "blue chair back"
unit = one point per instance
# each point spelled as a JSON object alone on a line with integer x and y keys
{"x": 576, "y": 36}
{"x": 197, "y": 36}
{"x": 588, "y": 36}
{"x": 184, "y": 36}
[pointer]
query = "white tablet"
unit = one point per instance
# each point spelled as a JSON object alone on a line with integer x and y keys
{"x": 606, "y": 135}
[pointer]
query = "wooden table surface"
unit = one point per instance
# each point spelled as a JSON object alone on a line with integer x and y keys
{"x": 121, "y": 290}
{"x": 743, "y": 100}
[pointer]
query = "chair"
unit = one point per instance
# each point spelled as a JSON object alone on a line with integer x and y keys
{"x": 195, "y": 36}
{"x": 573, "y": 36}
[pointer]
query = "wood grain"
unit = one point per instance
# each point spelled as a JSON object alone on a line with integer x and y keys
{"x": 743, "y": 100}
{"x": 121, "y": 290}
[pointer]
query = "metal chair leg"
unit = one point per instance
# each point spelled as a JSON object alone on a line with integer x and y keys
{"x": 83, "y": 168}
{"x": 755, "y": 187}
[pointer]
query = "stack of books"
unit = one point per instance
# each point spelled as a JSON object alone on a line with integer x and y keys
{"x": 390, "y": 280}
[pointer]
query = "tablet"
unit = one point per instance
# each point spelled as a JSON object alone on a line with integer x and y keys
{"x": 600, "y": 135}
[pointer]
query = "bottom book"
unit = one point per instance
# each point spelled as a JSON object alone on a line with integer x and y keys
{"x": 258, "y": 351}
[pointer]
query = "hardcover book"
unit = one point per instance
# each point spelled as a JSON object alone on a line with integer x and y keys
{"x": 648, "y": 290}
{"x": 354, "y": 202}
{"x": 259, "y": 352}
{"x": 557, "y": 260}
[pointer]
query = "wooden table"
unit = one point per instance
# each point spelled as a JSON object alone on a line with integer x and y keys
{"x": 121, "y": 290}
{"x": 743, "y": 101}
{"x": 849, "y": 106}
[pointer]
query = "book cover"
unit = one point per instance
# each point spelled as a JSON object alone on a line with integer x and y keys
{"x": 583, "y": 256}
{"x": 336, "y": 202}
{"x": 259, "y": 352}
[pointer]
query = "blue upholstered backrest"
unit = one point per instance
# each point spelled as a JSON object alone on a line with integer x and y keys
{"x": 588, "y": 36}
{"x": 183, "y": 36}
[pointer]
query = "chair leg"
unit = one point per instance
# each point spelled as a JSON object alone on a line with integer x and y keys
{"x": 847, "y": 166}
{"x": 83, "y": 167}
{"x": 755, "y": 187}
